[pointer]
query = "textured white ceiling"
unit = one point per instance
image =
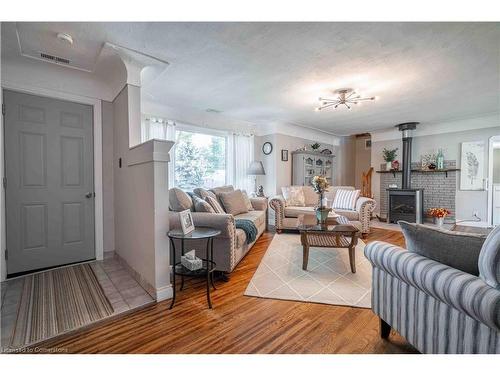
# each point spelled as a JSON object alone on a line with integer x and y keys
{"x": 275, "y": 72}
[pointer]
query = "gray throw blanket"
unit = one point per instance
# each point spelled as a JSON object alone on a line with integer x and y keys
{"x": 248, "y": 227}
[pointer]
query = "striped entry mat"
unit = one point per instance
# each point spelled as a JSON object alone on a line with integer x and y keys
{"x": 58, "y": 301}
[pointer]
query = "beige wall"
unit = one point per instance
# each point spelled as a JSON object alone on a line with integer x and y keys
{"x": 268, "y": 181}
{"x": 134, "y": 233}
{"x": 362, "y": 160}
{"x": 278, "y": 172}
{"x": 346, "y": 161}
{"x": 108, "y": 177}
{"x": 140, "y": 198}
{"x": 496, "y": 166}
{"x": 3, "y": 263}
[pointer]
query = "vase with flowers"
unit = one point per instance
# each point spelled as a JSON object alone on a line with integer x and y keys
{"x": 439, "y": 213}
{"x": 320, "y": 185}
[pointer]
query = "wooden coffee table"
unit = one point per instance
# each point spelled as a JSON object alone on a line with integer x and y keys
{"x": 337, "y": 233}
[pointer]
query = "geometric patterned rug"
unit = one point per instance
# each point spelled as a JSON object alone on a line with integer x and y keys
{"x": 328, "y": 278}
{"x": 58, "y": 301}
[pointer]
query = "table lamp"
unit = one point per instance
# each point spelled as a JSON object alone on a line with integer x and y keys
{"x": 255, "y": 169}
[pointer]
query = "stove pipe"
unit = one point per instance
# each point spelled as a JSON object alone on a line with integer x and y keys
{"x": 406, "y": 129}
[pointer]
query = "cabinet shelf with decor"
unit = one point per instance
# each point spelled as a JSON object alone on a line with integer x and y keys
{"x": 307, "y": 164}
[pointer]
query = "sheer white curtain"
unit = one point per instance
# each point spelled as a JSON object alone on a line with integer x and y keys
{"x": 157, "y": 128}
{"x": 241, "y": 149}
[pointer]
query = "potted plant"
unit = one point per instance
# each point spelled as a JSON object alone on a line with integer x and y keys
{"x": 315, "y": 146}
{"x": 439, "y": 213}
{"x": 389, "y": 156}
{"x": 320, "y": 185}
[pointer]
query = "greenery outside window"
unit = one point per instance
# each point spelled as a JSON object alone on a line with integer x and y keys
{"x": 200, "y": 160}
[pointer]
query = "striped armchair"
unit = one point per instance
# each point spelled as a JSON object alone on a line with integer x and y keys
{"x": 437, "y": 308}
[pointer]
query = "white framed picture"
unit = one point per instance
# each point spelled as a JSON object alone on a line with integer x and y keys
{"x": 187, "y": 223}
{"x": 472, "y": 166}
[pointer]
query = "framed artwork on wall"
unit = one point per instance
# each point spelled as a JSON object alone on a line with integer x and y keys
{"x": 472, "y": 166}
{"x": 284, "y": 155}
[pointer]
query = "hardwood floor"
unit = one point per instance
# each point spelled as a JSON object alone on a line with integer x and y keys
{"x": 240, "y": 324}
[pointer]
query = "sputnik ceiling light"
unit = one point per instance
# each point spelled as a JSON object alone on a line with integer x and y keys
{"x": 345, "y": 97}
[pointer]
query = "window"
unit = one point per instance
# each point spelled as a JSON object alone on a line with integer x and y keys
{"x": 201, "y": 157}
{"x": 200, "y": 160}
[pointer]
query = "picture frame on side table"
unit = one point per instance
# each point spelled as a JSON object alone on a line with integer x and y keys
{"x": 472, "y": 166}
{"x": 284, "y": 155}
{"x": 187, "y": 223}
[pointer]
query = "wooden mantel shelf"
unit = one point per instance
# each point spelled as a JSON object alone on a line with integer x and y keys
{"x": 394, "y": 171}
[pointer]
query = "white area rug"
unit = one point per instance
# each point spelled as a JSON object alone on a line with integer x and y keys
{"x": 328, "y": 278}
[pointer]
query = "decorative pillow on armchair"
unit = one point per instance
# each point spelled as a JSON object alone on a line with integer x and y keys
{"x": 455, "y": 249}
{"x": 294, "y": 196}
{"x": 345, "y": 199}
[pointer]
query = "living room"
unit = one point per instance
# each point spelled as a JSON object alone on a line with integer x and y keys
{"x": 250, "y": 187}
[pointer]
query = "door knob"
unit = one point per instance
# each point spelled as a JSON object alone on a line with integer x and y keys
{"x": 89, "y": 195}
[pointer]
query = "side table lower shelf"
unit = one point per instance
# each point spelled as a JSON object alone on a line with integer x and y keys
{"x": 208, "y": 264}
{"x": 207, "y": 270}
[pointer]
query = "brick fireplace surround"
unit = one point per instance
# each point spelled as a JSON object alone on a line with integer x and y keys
{"x": 439, "y": 190}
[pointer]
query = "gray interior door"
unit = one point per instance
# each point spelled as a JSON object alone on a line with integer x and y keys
{"x": 49, "y": 182}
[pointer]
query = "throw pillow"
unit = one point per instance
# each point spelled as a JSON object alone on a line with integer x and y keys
{"x": 179, "y": 200}
{"x": 222, "y": 189}
{"x": 202, "y": 206}
{"x": 203, "y": 193}
{"x": 489, "y": 259}
{"x": 215, "y": 205}
{"x": 455, "y": 249}
{"x": 294, "y": 196}
{"x": 345, "y": 199}
{"x": 233, "y": 202}
{"x": 311, "y": 198}
{"x": 248, "y": 202}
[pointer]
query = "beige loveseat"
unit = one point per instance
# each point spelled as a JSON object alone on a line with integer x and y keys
{"x": 286, "y": 216}
{"x": 231, "y": 245}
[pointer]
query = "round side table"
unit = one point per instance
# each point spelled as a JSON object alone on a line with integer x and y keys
{"x": 208, "y": 262}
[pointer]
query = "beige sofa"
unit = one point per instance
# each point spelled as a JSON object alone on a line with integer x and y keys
{"x": 286, "y": 216}
{"x": 231, "y": 245}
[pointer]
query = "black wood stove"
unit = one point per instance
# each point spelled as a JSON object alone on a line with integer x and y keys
{"x": 406, "y": 203}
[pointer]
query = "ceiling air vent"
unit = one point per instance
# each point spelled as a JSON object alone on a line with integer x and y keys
{"x": 57, "y": 59}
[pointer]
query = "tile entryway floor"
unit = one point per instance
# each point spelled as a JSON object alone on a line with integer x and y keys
{"x": 122, "y": 291}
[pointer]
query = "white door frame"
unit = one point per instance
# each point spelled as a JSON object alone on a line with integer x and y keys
{"x": 98, "y": 201}
{"x": 493, "y": 139}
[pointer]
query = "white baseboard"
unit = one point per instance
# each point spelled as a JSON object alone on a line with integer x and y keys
{"x": 164, "y": 293}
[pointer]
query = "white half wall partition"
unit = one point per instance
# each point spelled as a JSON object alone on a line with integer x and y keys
{"x": 141, "y": 199}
